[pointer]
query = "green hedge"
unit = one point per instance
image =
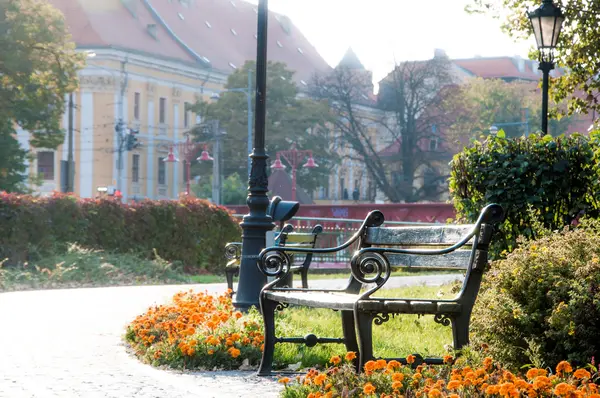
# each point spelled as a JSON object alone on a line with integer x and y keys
{"x": 191, "y": 231}
{"x": 539, "y": 180}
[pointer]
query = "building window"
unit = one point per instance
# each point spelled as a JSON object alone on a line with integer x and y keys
{"x": 45, "y": 161}
{"x": 162, "y": 172}
{"x": 162, "y": 110}
{"x": 186, "y": 114}
{"x": 135, "y": 168}
{"x": 433, "y": 144}
{"x": 136, "y": 106}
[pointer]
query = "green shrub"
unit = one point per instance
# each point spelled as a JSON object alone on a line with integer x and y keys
{"x": 541, "y": 304}
{"x": 556, "y": 177}
{"x": 190, "y": 231}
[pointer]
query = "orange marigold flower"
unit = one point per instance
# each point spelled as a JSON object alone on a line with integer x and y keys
{"x": 329, "y": 394}
{"x": 210, "y": 352}
{"x": 396, "y": 385}
{"x": 228, "y": 342}
{"x": 393, "y": 364}
{"x": 335, "y": 359}
{"x": 491, "y": 390}
{"x": 370, "y": 366}
{"x": 454, "y": 384}
{"x": 487, "y": 363}
{"x": 350, "y": 356}
{"x": 284, "y": 380}
{"x": 234, "y": 352}
{"x": 532, "y": 373}
{"x": 328, "y": 386}
{"x": 381, "y": 363}
{"x": 410, "y": 359}
{"x": 237, "y": 314}
{"x": 453, "y": 396}
{"x": 319, "y": 379}
{"x": 235, "y": 336}
{"x": 448, "y": 359}
{"x": 582, "y": 374}
{"x": 397, "y": 376}
{"x": 563, "y": 389}
{"x": 541, "y": 382}
{"x": 369, "y": 389}
{"x": 564, "y": 366}
{"x": 434, "y": 393}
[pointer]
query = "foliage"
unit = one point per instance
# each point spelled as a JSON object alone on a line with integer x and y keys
{"x": 190, "y": 231}
{"x": 234, "y": 190}
{"x": 454, "y": 379}
{"x": 391, "y": 137}
{"x": 289, "y": 120}
{"x": 80, "y": 267}
{"x": 577, "y": 48}
{"x": 197, "y": 330}
{"x": 555, "y": 176}
{"x": 480, "y": 103}
{"x": 38, "y": 68}
{"x": 542, "y": 303}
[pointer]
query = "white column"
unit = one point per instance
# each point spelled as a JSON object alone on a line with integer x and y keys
{"x": 23, "y": 138}
{"x": 179, "y": 155}
{"x": 86, "y": 145}
{"x": 65, "y": 124}
{"x": 150, "y": 152}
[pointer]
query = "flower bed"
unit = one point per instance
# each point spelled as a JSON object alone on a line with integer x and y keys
{"x": 198, "y": 331}
{"x": 453, "y": 380}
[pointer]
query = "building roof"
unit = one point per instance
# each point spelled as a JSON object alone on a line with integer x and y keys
{"x": 500, "y": 67}
{"x": 351, "y": 60}
{"x": 280, "y": 184}
{"x": 220, "y": 34}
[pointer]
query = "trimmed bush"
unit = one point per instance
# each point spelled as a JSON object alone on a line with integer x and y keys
{"x": 541, "y": 304}
{"x": 191, "y": 231}
{"x": 539, "y": 179}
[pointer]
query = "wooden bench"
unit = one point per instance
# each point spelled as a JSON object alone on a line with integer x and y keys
{"x": 380, "y": 250}
{"x": 286, "y": 238}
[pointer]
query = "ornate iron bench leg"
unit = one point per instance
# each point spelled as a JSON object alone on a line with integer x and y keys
{"x": 460, "y": 330}
{"x": 364, "y": 325}
{"x": 267, "y": 308}
{"x": 348, "y": 327}
{"x": 229, "y": 274}
{"x": 304, "y": 276}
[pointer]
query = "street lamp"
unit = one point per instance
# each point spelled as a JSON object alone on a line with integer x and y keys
{"x": 248, "y": 92}
{"x": 546, "y": 22}
{"x": 188, "y": 150}
{"x": 294, "y": 157}
{"x": 257, "y": 223}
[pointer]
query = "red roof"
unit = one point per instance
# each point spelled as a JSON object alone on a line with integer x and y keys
{"x": 221, "y": 31}
{"x": 500, "y": 68}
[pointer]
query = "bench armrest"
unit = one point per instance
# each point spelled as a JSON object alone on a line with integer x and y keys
{"x": 275, "y": 262}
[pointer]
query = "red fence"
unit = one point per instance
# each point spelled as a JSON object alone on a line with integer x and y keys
{"x": 422, "y": 212}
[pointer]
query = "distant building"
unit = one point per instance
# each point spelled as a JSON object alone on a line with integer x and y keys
{"x": 152, "y": 59}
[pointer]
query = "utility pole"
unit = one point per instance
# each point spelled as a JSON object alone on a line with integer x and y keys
{"x": 120, "y": 126}
{"x": 216, "y": 185}
{"x": 70, "y": 186}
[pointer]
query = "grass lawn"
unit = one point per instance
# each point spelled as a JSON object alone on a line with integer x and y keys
{"x": 399, "y": 337}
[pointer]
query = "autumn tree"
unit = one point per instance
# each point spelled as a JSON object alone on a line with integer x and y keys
{"x": 514, "y": 107}
{"x": 289, "y": 120}
{"x": 578, "y": 48}
{"x": 38, "y": 67}
{"x": 392, "y": 136}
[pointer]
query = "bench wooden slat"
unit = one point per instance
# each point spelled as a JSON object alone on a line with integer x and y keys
{"x": 299, "y": 237}
{"x": 336, "y": 301}
{"x": 458, "y": 259}
{"x": 414, "y": 236}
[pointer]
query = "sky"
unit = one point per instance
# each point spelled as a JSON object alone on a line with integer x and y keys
{"x": 384, "y": 31}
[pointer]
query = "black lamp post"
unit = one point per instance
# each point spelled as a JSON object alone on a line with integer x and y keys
{"x": 256, "y": 224}
{"x": 546, "y": 22}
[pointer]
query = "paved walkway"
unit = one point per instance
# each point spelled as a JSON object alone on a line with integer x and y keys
{"x": 67, "y": 343}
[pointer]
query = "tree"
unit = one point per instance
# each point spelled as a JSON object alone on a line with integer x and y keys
{"x": 38, "y": 67}
{"x": 290, "y": 119}
{"x": 578, "y": 48}
{"x": 406, "y": 118}
{"x": 480, "y": 103}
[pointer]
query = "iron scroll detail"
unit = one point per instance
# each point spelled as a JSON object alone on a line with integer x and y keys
{"x": 442, "y": 319}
